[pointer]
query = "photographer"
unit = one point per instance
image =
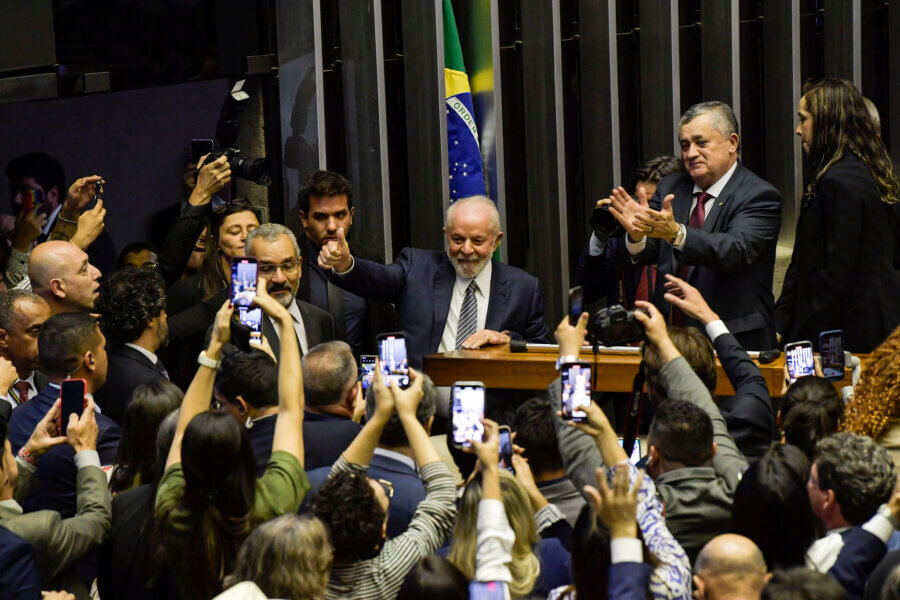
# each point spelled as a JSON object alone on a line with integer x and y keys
{"x": 691, "y": 457}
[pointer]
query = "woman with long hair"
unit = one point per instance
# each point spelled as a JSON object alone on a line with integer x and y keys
{"x": 842, "y": 273}
{"x": 209, "y": 499}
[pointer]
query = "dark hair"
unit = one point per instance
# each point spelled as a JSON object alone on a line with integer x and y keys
{"x": 590, "y": 556}
{"x": 434, "y": 578}
{"x": 8, "y": 301}
{"x": 801, "y": 583}
{"x": 811, "y": 410}
{"x": 149, "y": 405}
{"x": 212, "y": 280}
{"x": 129, "y": 299}
{"x": 696, "y": 349}
{"x": 536, "y": 433}
{"x": 682, "y": 433}
{"x": 350, "y": 510}
{"x": 219, "y": 491}
{"x": 63, "y": 340}
{"x": 329, "y": 370}
{"x": 655, "y": 169}
{"x": 771, "y": 506}
{"x": 324, "y": 184}
{"x": 4, "y": 433}
{"x": 251, "y": 375}
{"x": 134, "y": 248}
{"x": 393, "y": 434}
{"x": 43, "y": 168}
{"x": 858, "y": 470}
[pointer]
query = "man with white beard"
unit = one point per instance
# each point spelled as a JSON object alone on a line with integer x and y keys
{"x": 458, "y": 299}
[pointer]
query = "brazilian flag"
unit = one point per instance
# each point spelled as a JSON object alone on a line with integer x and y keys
{"x": 466, "y": 171}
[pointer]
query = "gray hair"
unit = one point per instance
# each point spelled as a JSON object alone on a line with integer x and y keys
{"x": 329, "y": 370}
{"x": 723, "y": 118}
{"x": 271, "y": 232}
{"x": 483, "y": 201}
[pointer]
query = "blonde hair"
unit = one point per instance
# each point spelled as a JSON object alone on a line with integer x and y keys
{"x": 288, "y": 557}
{"x": 524, "y": 566}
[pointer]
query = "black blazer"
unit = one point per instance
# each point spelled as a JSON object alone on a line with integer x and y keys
{"x": 319, "y": 326}
{"x": 128, "y": 369}
{"x": 731, "y": 259}
{"x": 842, "y": 273}
{"x": 420, "y": 284}
{"x": 324, "y": 440}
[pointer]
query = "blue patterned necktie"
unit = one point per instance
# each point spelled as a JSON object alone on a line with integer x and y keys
{"x": 468, "y": 316}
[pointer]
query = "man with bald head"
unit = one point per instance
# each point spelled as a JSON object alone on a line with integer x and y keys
{"x": 449, "y": 300}
{"x": 730, "y": 567}
{"x": 61, "y": 274}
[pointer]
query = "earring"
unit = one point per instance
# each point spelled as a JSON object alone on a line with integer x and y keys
{"x": 249, "y": 423}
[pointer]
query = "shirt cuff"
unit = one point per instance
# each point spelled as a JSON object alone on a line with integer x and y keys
{"x": 635, "y": 247}
{"x": 24, "y": 464}
{"x": 352, "y": 264}
{"x": 596, "y": 247}
{"x": 626, "y": 550}
{"x": 880, "y": 527}
{"x": 87, "y": 458}
{"x": 716, "y": 328}
{"x": 546, "y": 516}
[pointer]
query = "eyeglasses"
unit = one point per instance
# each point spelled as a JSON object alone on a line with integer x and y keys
{"x": 288, "y": 268}
{"x": 387, "y": 486}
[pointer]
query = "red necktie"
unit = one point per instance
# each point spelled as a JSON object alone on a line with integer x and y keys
{"x": 696, "y": 221}
{"x": 23, "y": 389}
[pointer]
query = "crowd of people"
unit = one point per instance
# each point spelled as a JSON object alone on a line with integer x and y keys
{"x": 198, "y": 463}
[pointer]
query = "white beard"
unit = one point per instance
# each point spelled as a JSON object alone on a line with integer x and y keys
{"x": 468, "y": 269}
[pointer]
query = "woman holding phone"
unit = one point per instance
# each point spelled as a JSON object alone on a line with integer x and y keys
{"x": 843, "y": 272}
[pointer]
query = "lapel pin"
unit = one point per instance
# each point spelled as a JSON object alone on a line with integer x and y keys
{"x": 721, "y": 203}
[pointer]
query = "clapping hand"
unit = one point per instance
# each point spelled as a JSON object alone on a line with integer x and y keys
{"x": 626, "y": 211}
{"x": 617, "y": 508}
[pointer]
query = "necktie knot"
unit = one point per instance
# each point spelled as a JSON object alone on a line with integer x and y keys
{"x": 702, "y": 197}
{"x": 24, "y": 390}
{"x": 473, "y": 287}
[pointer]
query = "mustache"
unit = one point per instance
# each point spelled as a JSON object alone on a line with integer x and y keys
{"x": 278, "y": 287}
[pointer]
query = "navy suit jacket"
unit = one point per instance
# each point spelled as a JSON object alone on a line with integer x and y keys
{"x": 56, "y": 469}
{"x": 324, "y": 440}
{"x": 128, "y": 369}
{"x": 409, "y": 490}
{"x": 731, "y": 260}
{"x": 19, "y": 577}
{"x": 420, "y": 284}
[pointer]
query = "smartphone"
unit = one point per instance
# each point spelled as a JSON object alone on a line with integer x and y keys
{"x": 506, "y": 449}
{"x": 576, "y": 304}
{"x": 487, "y": 590}
{"x": 800, "y": 362}
{"x": 636, "y": 452}
{"x": 367, "y": 362}
{"x": 200, "y": 148}
{"x": 394, "y": 361}
{"x": 252, "y": 319}
{"x": 31, "y": 197}
{"x": 467, "y": 411}
{"x": 831, "y": 351}
{"x": 576, "y": 390}
{"x": 243, "y": 280}
{"x": 98, "y": 192}
{"x": 71, "y": 392}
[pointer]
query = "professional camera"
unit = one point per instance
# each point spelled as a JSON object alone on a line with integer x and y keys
{"x": 604, "y": 223}
{"x": 615, "y": 326}
{"x": 252, "y": 169}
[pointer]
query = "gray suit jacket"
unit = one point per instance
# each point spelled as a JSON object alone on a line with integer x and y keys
{"x": 697, "y": 500}
{"x": 59, "y": 543}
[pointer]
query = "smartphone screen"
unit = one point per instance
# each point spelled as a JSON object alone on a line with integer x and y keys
{"x": 394, "y": 362}
{"x": 831, "y": 345}
{"x": 486, "y": 590}
{"x": 506, "y": 449}
{"x": 467, "y": 412}
{"x": 243, "y": 280}
{"x": 367, "y": 362}
{"x": 800, "y": 362}
{"x": 252, "y": 318}
{"x": 31, "y": 197}
{"x": 576, "y": 390}
{"x": 71, "y": 392}
{"x": 635, "y": 456}
{"x": 576, "y": 304}
{"x": 200, "y": 148}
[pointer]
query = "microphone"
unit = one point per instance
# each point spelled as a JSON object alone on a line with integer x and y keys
{"x": 523, "y": 346}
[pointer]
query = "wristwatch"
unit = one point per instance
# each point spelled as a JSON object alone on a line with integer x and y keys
{"x": 885, "y": 512}
{"x": 678, "y": 237}
{"x": 568, "y": 358}
{"x": 204, "y": 360}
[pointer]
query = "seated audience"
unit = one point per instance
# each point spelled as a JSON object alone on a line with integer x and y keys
{"x": 729, "y": 566}
{"x": 802, "y": 584}
{"x": 71, "y": 346}
{"x": 209, "y": 498}
{"x": 287, "y": 557}
{"x": 394, "y": 463}
{"x": 132, "y": 307}
{"x": 140, "y": 255}
{"x": 354, "y": 507}
{"x": 811, "y": 410}
{"x": 58, "y": 543}
{"x": 62, "y": 275}
{"x": 536, "y": 435}
{"x": 21, "y": 315}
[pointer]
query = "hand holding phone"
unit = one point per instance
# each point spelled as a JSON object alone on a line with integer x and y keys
{"x": 244, "y": 275}
{"x": 393, "y": 358}
{"x": 72, "y": 401}
{"x": 831, "y": 352}
{"x": 82, "y": 430}
{"x": 576, "y": 304}
{"x": 800, "y": 360}
{"x": 367, "y": 365}
{"x": 576, "y": 390}
{"x": 467, "y": 412}
{"x": 506, "y": 449}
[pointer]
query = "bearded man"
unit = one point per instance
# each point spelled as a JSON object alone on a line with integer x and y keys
{"x": 460, "y": 299}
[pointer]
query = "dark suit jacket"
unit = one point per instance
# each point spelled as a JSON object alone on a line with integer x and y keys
{"x": 19, "y": 577}
{"x": 731, "y": 259}
{"x": 420, "y": 284}
{"x": 324, "y": 439}
{"x": 56, "y": 469}
{"x": 408, "y": 490}
{"x": 749, "y": 414}
{"x": 842, "y": 273}
{"x": 128, "y": 369}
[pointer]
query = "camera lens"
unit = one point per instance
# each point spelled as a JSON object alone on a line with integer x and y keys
{"x": 253, "y": 169}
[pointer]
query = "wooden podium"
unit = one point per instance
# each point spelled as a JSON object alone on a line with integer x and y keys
{"x": 499, "y": 368}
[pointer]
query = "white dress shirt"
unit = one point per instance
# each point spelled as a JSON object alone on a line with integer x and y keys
{"x": 13, "y": 394}
{"x": 150, "y": 356}
{"x": 483, "y": 279}
{"x": 298, "y": 327}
